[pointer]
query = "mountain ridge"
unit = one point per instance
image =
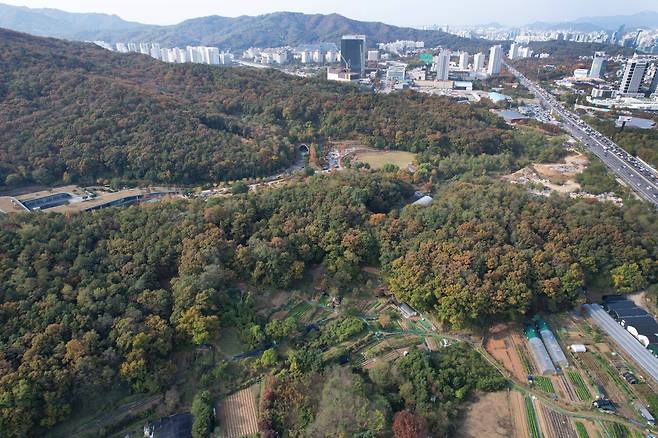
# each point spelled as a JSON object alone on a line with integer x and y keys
{"x": 267, "y": 30}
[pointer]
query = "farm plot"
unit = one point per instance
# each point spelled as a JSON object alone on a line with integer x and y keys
{"x": 616, "y": 430}
{"x": 601, "y": 376}
{"x": 488, "y": 416}
{"x": 545, "y": 384}
{"x": 298, "y": 311}
{"x": 531, "y": 415}
{"x": 237, "y": 414}
{"x": 501, "y": 345}
{"x": 565, "y": 388}
{"x": 581, "y": 430}
{"x": 557, "y": 425}
{"x": 377, "y": 159}
{"x": 581, "y": 388}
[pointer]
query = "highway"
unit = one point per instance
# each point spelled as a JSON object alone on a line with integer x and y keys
{"x": 624, "y": 339}
{"x": 638, "y": 175}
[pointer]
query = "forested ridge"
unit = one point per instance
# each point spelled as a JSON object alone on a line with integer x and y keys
{"x": 93, "y": 299}
{"x": 74, "y": 112}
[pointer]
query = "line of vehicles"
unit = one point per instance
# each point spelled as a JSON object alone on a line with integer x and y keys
{"x": 641, "y": 177}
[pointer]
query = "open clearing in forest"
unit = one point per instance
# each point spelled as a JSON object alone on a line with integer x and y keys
{"x": 490, "y": 415}
{"x": 377, "y": 159}
{"x": 238, "y": 416}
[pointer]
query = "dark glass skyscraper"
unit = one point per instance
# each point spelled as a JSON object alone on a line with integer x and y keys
{"x": 353, "y": 52}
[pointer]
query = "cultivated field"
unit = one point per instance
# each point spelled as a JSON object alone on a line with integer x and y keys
{"x": 237, "y": 414}
{"x": 555, "y": 424}
{"x": 503, "y": 345}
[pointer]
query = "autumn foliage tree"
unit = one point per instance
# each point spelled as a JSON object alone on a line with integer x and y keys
{"x": 406, "y": 424}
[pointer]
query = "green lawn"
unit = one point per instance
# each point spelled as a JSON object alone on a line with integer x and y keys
{"x": 229, "y": 343}
{"x": 377, "y": 159}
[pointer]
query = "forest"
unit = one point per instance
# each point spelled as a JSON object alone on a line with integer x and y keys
{"x": 114, "y": 298}
{"x": 93, "y": 299}
{"x": 75, "y": 113}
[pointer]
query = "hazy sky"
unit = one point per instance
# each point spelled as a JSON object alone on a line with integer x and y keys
{"x": 400, "y": 12}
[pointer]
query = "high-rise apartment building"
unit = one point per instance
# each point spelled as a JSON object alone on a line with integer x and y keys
{"x": 513, "y": 51}
{"x": 463, "y": 60}
{"x": 442, "y": 65}
{"x": 631, "y": 81}
{"x": 599, "y": 64}
{"x": 353, "y": 52}
{"x": 478, "y": 61}
{"x": 495, "y": 60}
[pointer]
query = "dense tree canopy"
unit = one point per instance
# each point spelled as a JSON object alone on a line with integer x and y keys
{"x": 480, "y": 255}
{"x": 76, "y": 113}
{"x": 91, "y": 299}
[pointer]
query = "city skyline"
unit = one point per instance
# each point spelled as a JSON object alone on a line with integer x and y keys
{"x": 415, "y": 12}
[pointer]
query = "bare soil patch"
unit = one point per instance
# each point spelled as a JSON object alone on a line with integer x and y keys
{"x": 488, "y": 416}
{"x": 501, "y": 344}
{"x": 559, "y": 177}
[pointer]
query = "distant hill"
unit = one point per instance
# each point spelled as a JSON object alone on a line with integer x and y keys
{"x": 60, "y": 24}
{"x": 647, "y": 19}
{"x": 270, "y": 30}
{"x": 280, "y": 29}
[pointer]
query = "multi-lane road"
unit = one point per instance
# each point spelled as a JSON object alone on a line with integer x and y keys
{"x": 624, "y": 339}
{"x": 638, "y": 175}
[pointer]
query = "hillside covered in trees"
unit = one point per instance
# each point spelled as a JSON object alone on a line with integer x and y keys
{"x": 73, "y": 112}
{"x": 94, "y": 299}
{"x": 116, "y": 299}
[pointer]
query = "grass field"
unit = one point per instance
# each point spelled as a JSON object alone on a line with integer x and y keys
{"x": 229, "y": 343}
{"x": 533, "y": 424}
{"x": 545, "y": 384}
{"x": 377, "y": 159}
{"x": 581, "y": 430}
{"x": 581, "y": 389}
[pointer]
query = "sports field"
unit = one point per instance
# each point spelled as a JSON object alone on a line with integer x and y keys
{"x": 377, "y": 159}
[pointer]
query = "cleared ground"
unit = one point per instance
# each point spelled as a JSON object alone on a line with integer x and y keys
{"x": 238, "y": 416}
{"x": 79, "y": 200}
{"x": 559, "y": 177}
{"x": 377, "y": 159}
{"x": 502, "y": 345}
{"x": 490, "y": 415}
